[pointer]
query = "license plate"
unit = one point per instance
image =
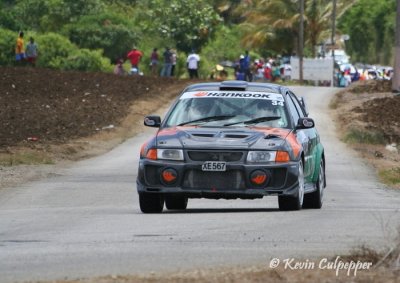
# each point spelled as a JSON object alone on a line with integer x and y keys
{"x": 214, "y": 166}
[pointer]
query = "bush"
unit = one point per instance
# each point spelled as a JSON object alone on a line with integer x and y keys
{"x": 86, "y": 60}
{"x": 107, "y": 31}
{"x": 7, "y": 46}
{"x": 56, "y": 51}
{"x": 53, "y": 48}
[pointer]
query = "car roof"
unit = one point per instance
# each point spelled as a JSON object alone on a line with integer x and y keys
{"x": 237, "y": 86}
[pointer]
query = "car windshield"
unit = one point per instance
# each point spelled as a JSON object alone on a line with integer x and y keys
{"x": 224, "y": 109}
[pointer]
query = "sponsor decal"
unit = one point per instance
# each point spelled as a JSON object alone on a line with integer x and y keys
{"x": 233, "y": 94}
{"x": 201, "y": 93}
{"x": 296, "y": 147}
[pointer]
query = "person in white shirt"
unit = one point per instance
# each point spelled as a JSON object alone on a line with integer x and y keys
{"x": 193, "y": 64}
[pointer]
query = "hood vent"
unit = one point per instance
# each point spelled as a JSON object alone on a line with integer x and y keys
{"x": 230, "y": 136}
{"x": 203, "y": 135}
{"x": 271, "y": 136}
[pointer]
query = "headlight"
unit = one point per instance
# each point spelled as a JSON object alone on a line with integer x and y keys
{"x": 170, "y": 154}
{"x": 261, "y": 156}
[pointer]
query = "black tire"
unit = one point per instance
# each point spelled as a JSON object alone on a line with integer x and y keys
{"x": 151, "y": 202}
{"x": 294, "y": 202}
{"x": 176, "y": 202}
{"x": 316, "y": 199}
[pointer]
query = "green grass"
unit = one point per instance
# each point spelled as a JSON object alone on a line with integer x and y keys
{"x": 390, "y": 176}
{"x": 25, "y": 158}
{"x": 354, "y": 135}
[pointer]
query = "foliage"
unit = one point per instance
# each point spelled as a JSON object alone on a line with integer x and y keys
{"x": 355, "y": 135}
{"x": 7, "y": 17}
{"x": 109, "y": 28}
{"x": 85, "y": 60}
{"x": 56, "y": 51}
{"x": 371, "y": 26}
{"x": 390, "y": 176}
{"x": 7, "y": 46}
{"x": 274, "y": 24}
{"x": 226, "y": 46}
{"x": 110, "y": 32}
{"x": 51, "y": 15}
{"x": 190, "y": 24}
{"x": 52, "y": 48}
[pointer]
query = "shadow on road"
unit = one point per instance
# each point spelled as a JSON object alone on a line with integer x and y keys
{"x": 222, "y": 210}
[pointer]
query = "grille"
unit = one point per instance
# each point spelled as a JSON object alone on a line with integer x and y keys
{"x": 228, "y": 156}
{"x": 196, "y": 179}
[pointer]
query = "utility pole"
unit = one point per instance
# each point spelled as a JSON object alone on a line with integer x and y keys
{"x": 333, "y": 36}
{"x": 396, "y": 69}
{"x": 301, "y": 41}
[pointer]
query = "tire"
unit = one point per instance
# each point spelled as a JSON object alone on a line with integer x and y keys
{"x": 151, "y": 202}
{"x": 294, "y": 202}
{"x": 176, "y": 202}
{"x": 315, "y": 199}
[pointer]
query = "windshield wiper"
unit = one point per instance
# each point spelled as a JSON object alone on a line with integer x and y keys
{"x": 208, "y": 119}
{"x": 255, "y": 120}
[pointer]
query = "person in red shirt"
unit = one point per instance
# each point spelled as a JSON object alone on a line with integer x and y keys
{"x": 134, "y": 56}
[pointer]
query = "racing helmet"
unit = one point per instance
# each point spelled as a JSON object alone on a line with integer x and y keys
{"x": 200, "y": 108}
{"x": 265, "y": 108}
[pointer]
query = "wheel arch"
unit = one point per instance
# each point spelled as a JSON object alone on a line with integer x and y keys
{"x": 320, "y": 155}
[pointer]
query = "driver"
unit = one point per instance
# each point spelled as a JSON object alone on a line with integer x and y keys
{"x": 200, "y": 108}
{"x": 265, "y": 109}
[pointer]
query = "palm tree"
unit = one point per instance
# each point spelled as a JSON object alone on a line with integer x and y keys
{"x": 265, "y": 19}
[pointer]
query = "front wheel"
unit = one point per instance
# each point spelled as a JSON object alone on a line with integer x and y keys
{"x": 315, "y": 199}
{"x": 151, "y": 202}
{"x": 294, "y": 202}
{"x": 176, "y": 202}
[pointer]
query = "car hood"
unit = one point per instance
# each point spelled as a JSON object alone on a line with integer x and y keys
{"x": 221, "y": 138}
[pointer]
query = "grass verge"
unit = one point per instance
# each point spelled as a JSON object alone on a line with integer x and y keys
{"x": 390, "y": 176}
{"x": 25, "y": 157}
{"x": 354, "y": 135}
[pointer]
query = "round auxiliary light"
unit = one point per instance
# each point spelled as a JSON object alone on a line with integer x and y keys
{"x": 169, "y": 176}
{"x": 258, "y": 177}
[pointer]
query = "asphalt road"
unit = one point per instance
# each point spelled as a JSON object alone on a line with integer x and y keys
{"x": 86, "y": 221}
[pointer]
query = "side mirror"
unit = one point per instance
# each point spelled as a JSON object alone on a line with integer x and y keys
{"x": 152, "y": 121}
{"x": 305, "y": 123}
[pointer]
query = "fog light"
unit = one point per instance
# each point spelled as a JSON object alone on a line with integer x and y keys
{"x": 169, "y": 175}
{"x": 258, "y": 177}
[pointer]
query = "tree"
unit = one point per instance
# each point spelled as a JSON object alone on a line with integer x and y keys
{"x": 396, "y": 77}
{"x": 371, "y": 26}
{"x": 110, "y": 32}
{"x": 266, "y": 19}
{"x": 189, "y": 24}
{"x": 52, "y": 15}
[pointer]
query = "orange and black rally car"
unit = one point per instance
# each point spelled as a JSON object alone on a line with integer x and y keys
{"x": 232, "y": 139}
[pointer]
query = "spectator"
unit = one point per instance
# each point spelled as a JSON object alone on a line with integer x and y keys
{"x": 268, "y": 72}
{"x": 193, "y": 64}
{"x": 257, "y": 70}
{"x": 166, "y": 69}
{"x": 239, "y": 70}
{"x": 173, "y": 61}
{"x": 154, "y": 62}
{"x": 119, "y": 68}
{"x": 276, "y": 72}
{"x": 134, "y": 56}
{"x": 19, "y": 49}
{"x": 246, "y": 67}
{"x": 32, "y": 52}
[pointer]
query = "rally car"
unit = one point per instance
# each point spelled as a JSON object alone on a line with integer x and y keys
{"x": 229, "y": 140}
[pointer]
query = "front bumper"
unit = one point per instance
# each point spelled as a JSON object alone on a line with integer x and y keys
{"x": 233, "y": 183}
